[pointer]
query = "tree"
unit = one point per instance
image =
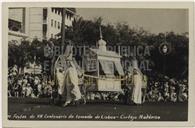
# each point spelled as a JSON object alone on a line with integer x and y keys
{"x": 37, "y": 51}
{"x": 19, "y": 54}
{"x": 86, "y": 32}
{"x": 177, "y": 61}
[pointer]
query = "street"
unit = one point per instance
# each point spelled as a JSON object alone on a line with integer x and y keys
{"x": 41, "y": 109}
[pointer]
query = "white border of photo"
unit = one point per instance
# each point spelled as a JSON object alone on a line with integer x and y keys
{"x": 88, "y": 124}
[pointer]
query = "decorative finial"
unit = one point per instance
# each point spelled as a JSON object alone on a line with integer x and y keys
{"x": 100, "y": 32}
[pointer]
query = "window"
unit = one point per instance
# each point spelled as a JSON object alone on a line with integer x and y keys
{"x": 16, "y": 19}
{"x": 45, "y": 28}
{"x": 58, "y": 25}
{"x": 44, "y": 14}
{"x": 15, "y": 25}
{"x": 55, "y": 24}
{"x": 52, "y": 22}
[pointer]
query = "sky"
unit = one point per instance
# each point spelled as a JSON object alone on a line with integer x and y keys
{"x": 152, "y": 20}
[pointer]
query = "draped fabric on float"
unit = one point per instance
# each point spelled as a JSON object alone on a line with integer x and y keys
{"x": 119, "y": 68}
{"x": 108, "y": 67}
{"x": 105, "y": 67}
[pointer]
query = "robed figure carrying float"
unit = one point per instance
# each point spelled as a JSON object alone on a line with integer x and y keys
{"x": 137, "y": 83}
{"x": 66, "y": 73}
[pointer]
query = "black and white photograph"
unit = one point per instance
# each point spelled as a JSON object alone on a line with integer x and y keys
{"x": 97, "y": 64}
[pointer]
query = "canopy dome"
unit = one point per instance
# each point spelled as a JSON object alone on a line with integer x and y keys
{"x": 102, "y": 44}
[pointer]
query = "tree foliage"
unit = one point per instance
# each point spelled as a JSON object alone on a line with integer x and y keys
{"x": 86, "y": 32}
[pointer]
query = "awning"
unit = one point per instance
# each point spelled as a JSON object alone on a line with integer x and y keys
{"x": 119, "y": 68}
{"x": 107, "y": 67}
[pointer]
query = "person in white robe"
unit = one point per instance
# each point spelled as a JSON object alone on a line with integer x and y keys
{"x": 14, "y": 70}
{"x": 137, "y": 86}
{"x": 66, "y": 74}
{"x": 29, "y": 90}
{"x": 59, "y": 72}
{"x": 71, "y": 84}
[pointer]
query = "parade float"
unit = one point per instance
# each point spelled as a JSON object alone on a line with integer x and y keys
{"x": 103, "y": 69}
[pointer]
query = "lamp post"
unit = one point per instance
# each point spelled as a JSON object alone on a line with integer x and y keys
{"x": 63, "y": 29}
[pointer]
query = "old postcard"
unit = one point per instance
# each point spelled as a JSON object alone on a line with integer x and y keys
{"x": 98, "y": 64}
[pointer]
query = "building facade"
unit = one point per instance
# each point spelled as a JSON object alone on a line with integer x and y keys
{"x": 45, "y": 23}
{"x": 18, "y": 24}
{"x": 35, "y": 22}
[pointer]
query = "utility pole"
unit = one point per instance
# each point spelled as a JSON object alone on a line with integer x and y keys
{"x": 63, "y": 30}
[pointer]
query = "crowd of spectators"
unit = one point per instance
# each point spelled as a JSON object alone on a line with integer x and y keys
{"x": 28, "y": 85}
{"x": 35, "y": 86}
{"x": 167, "y": 90}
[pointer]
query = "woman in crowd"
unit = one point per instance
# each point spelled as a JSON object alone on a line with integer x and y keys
{"x": 29, "y": 90}
{"x": 182, "y": 96}
{"x": 166, "y": 91}
{"x": 173, "y": 95}
{"x": 144, "y": 88}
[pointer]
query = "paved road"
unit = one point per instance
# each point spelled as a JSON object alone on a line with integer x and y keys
{"x": 36, "y": 109}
